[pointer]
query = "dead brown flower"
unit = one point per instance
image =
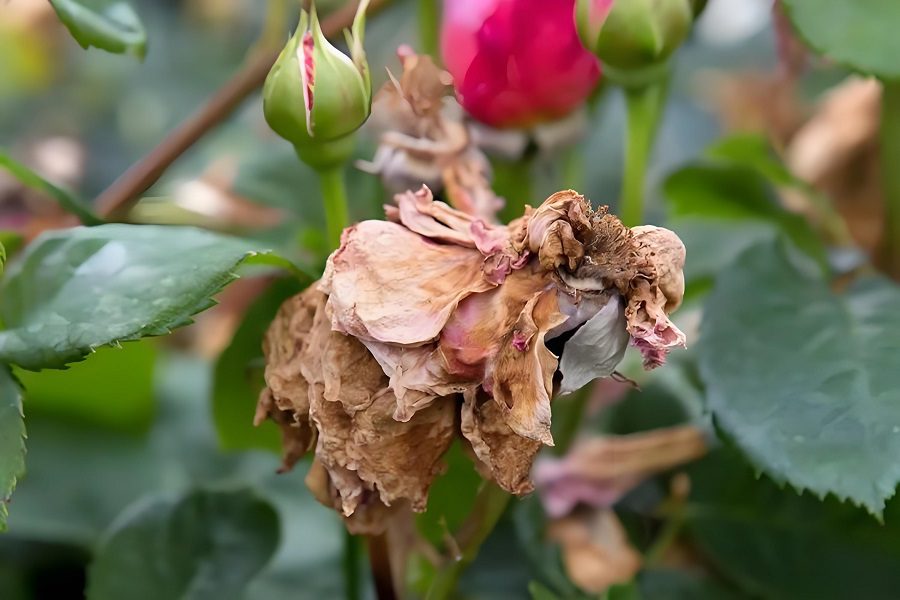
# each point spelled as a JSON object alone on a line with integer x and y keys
{"x": 435, "y": 322}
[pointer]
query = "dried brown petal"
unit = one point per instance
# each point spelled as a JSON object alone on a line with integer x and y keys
{"x": 286, "y": 397}
{"x": 503, "y": 455}
{"x": 522, "y": 379}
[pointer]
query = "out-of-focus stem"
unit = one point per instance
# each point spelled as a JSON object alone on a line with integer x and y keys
{"x": 352, "y": 557}
{"x": 568, "y": 413}
{"x": 644, "y": 105}
{"x": 489, "y": 506}
{"x": 334, "y": 196}
{"x": 890, "y": 161}
{"x": 429, "y": 26}
{"x": 512, "y": 181}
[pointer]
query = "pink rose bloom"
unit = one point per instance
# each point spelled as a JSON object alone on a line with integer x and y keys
{"x": 516, "y": 62}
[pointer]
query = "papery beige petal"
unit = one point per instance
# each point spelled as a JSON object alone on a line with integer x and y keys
{"x": 389, "y": 284}
{"x": 502, "y": 454}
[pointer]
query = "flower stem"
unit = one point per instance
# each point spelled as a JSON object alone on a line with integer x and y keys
{"x": 490, "y": 503}
{"x": 334, "y": 196}
{"x": 512, "y": 181}
{"x": 644, "y": 105}
{"x": 429, "y": 26}
{"x": 568, "y": 413}
{"x": 352, "y": 556}
{"x": 890, "y": 158}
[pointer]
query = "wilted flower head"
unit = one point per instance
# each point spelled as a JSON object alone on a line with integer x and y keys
{"x": 633, "y": 34}
{"x": 516, "y": 62}
{"x": 434, "y": 322}
{"x": 314, "y": 92}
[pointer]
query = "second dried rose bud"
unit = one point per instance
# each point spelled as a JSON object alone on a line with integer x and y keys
{"x": 316, "y": 95}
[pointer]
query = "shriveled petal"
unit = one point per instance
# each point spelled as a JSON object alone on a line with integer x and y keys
{"x": 522, "y": 377}
{"x": 389, "y": 284}
{"x": 596, "y": 552}
{"x": 502, "y": 454}
{"x": 596, "y": 348}
{"x": 557, "y": 228}
{"x": 419, "y": 212}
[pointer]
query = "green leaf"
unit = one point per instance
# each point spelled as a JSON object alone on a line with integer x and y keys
{"x": 669, "y": 584}
{"x": 238, "y": 376}
{"x": 12, "y": 439}
{"x": 110, "y": 25}
{"x": 734, "y": 192}
{"x": 67, "y": 201}
{"x": 861, "y": 34}
{"x": 78, "y": 289}
{"x": 113, "y": 390}
{"x": 804, "y": 380}
{"x": 539, "y": 591}
{"x": 205, "y": 545}
{"x": 776, "y": 544}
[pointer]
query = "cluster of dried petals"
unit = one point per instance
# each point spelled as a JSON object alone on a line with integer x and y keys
{"x": 434, "y": 322}
{"x": 423, "y": 139}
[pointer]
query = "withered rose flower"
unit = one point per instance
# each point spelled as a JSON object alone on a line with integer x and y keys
{"x": 434, "y": 323}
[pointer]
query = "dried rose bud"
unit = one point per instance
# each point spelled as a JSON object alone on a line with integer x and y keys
{"x": 314, "y": 93}
{"x": 629, "y": 35}
{"x": 516, "y": 62}
{"x": 435, "y": 306}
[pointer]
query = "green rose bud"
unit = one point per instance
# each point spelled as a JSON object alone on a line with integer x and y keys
{"x": 315, "y": 95}
{"x": 632, "y": 35}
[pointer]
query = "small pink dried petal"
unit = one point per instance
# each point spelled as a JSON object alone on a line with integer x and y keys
{"x": 600, "y": 470}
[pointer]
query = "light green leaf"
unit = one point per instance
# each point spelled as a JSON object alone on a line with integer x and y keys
{"x": 734, "y": 192}
{"x": 861, "y": 34}
{"x": 803, "y": 380}
{"x": 12, "y": 439}
{"x": 775, "y": 544}
{"x": 238, "y": 376}
{"x": 110, "y": 25}
{"x": 205, "y": 545}
{"x": 113, "y": 390}
{"x": 67, "y": 201}
{"x": 75, "y": 290}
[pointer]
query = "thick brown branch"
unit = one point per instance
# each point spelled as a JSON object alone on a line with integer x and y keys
{"x": 117, "y": 199}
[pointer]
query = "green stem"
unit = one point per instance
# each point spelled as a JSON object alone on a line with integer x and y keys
{"x": 489, "y": 506}
{"x": 512, "y": 181}
{"x": 334, "y": 196}
{"x": 890, "y": 161}
{"x": 352, "y": 556}
{"x": 429, "y": 26}
{"x": 644, "y": 105}
{"x": 567, "y": 415}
